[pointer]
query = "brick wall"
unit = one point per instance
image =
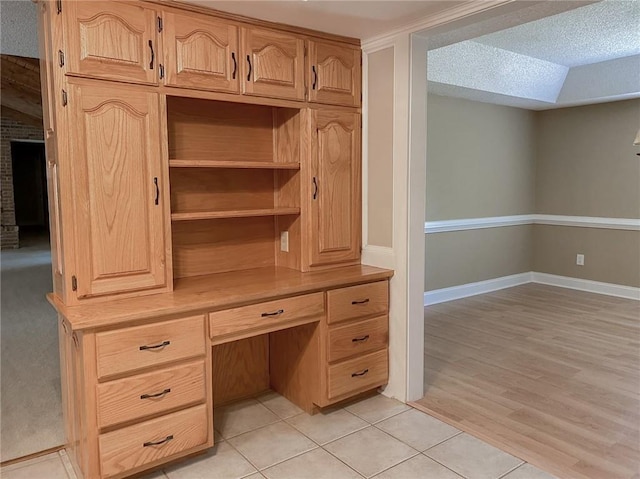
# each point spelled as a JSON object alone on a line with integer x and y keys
{"x": 11, "y": 130}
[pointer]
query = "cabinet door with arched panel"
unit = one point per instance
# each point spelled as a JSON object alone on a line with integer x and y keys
{"x": 201, "y": 52}
{"x": 272, "y": 64}
{"x": 334, "y": 72}
{"x": 111, "y": 40}
{"x": 334, "y": 219}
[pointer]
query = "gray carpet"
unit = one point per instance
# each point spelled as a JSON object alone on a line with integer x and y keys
{"x": 30, "y": 405}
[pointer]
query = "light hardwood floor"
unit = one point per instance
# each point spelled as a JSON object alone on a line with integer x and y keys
{"x": 548, "y": 374}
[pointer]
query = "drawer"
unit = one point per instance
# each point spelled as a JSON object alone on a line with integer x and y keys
{"x": 358, "y": 374}
{"x": 163, "y": 437}
{"x": 135, "y": 348}
{"x": 358, "y": 301}
{"x": 151, "y": 393}
{"x": 264, "y": 317}
{"x": 358, "y": 338}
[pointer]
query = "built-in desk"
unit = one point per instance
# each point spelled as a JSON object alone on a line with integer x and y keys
{"x": 141, "y": 375}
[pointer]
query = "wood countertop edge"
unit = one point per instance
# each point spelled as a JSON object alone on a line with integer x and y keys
{"x": 76, "y": 317}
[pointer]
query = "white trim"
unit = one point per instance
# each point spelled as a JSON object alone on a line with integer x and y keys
{"x": 471, "y": 289}
{"x": 589, "y": 222}
{"x": 599, "y": 287}
{"x": 476, "y": 223}
{"x": 443, "y": 226}
{"x": 458, "y": 12}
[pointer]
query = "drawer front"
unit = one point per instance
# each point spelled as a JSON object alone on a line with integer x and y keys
{"x": 358, "y": 374}
{"x": 146, "y": 394}
{"x": 163, "y": 437}
{"x": 358, "y": 301}
{"x": 358, "y": 338}
{"x": 264, "y": 315}
{"x": 135, "y": 348}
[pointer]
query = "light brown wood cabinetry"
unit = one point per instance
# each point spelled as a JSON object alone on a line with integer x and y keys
{"x": 358, "y": 301}
{"x": 201, "y": 53}
{"x": 119, "y": 190}
{"x": 334, "y": 224}
{"x": 273, "y": 64}
{"x": 111, "y": 40}
{"x": 334, "y": 72}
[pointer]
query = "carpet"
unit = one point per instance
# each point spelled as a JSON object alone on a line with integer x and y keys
{"x": 30, "y": 399}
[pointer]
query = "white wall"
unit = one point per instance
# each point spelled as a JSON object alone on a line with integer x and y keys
{"x": 19, "y": 28}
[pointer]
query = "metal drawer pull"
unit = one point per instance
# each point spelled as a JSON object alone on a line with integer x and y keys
{"x": 275, "y": 313}
{"x": 156, "y": 346}
{"x": 363, "y": 301}
{"x": 157, "y": 395}
{"x": 157, "y": 443}
{"x": 360, "y": 339}
{"x": 361, "y": 373}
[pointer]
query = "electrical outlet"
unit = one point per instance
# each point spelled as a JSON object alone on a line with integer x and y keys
{"x": 580, "y": 260}
{"x": 284, "y": 241}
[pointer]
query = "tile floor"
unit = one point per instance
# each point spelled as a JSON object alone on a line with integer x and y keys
{"x": 271, "y": 438}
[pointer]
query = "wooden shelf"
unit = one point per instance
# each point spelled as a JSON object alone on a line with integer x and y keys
{"x": 265, "y": 165}
{"x": 210, "y": 215}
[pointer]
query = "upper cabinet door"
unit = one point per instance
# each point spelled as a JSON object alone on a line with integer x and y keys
{"x": 118, "y": 186}
{"x": 115, "y": 41}
{"x": 272, "y": 64}
{"x": 335, "y": 234}
{"x": 201, "y": 53}
{"x": 334, "y": 73}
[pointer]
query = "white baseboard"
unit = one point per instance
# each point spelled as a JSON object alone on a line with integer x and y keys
{"x": 609, "y": 289}
{"x": 379, "y": 256}
{"x": 481, "y": 287}
{"x": 472, "y": 289}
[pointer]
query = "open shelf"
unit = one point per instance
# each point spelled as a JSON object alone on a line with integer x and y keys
{"x": 264, "y": 165}
{"x": 211, "y": 215}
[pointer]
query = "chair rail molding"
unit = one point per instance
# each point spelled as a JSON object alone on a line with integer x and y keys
{"x": 444, "y": 226}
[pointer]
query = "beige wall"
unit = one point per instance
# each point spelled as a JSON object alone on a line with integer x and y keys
{"x": 380, "y": 148}
{"x": 480, "y": 159}
{"x": 611, "y": 256}
{"x": 461, "y": 257}
{"x": 586, "y": 163}
{"x": 576, "y": 162}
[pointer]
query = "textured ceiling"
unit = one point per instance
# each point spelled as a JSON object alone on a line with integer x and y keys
{"x": 587, "y": 55}
{"x": 18, "y": 28}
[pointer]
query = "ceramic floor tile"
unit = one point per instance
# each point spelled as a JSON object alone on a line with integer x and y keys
{"x": 255, "y": 475}
{"x": 220, "y": 462}
{"x": 370, "y": 451}
{"x": 316, "y": 464}
{"x": 242, "y": 417}
{"x": 527, "y": 471}
{"x": 419, "y": 466}
{"x": 377, "y": 408}
{"x": 49, "y": 466}
{"x": 417, "y": 429}
{"x": 154, "y": 475}
{"x": 66, "y": 462}
{"x": 271, "y": 444}
{"x": 324, "y": 427}
{"x": 473, "y": 458}
{"x": 279, "y": 405}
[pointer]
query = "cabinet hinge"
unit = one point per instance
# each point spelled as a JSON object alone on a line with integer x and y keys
{"x": 161, "y": 71}
{"x": 160, "y": 26}
{"x": 74, "y": 283}
{"x": 60, "y": 58}
{"x": 65, "y": 100}
{"x": 59, "y": 6}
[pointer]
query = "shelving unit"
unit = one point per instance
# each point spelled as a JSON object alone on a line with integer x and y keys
{"x": 235, "y": 185}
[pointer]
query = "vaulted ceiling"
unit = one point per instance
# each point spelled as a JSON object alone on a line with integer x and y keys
{"x": 21, "y": 98}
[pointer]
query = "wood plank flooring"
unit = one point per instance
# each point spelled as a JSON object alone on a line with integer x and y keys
{"x": 551, "y": 375}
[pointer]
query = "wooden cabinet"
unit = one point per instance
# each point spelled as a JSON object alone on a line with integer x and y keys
{"x": 118, "y": 190}
{"x": 334, "y": 73}
{"x": 334, "y": 187}
{"x": 201, "y": 53}
{"x": 111, "y": 40}
{"x": 273, "y": 64}
{"x": 354, "y": 341}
